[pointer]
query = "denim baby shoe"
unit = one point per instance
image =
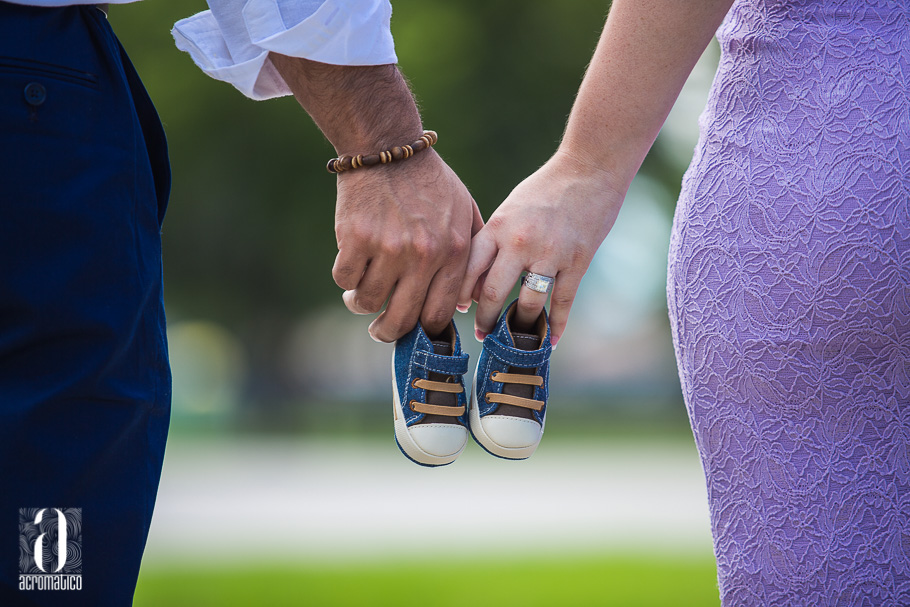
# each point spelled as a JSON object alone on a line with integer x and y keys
{"x": 429, "y": 402}
{"x": 509, "y": 399}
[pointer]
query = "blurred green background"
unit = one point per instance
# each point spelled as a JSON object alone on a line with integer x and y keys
{"x": 262, "y": 347}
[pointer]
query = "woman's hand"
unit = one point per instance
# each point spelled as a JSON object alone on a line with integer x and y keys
{"x": 551, "y": 224}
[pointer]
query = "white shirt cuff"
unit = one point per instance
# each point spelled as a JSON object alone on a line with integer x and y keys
{"x": 232, "y": 44}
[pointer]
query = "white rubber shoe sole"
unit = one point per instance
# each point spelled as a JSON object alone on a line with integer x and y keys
{"x": 426, "y": 444}
{"x": 503, "y": 436}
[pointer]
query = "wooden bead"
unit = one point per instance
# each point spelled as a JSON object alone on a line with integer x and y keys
{"x": 347, "y": 162}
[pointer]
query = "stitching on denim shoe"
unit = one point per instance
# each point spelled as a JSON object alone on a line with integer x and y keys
{"x": 546, "y": 351}
{"x": 447, "y": 365}
{"x": 519, "y": 358}
{"x": 407, "y": 393}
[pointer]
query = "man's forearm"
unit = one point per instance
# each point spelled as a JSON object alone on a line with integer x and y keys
{"x": 360, "y": 109}
{"x": 403, "y": 229}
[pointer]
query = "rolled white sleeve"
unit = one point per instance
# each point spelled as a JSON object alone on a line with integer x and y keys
{"x": 232, "y": 40}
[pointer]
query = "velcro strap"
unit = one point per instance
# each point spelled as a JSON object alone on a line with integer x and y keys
{"x": 515, "y": 357}
{"x": 447, "y": 365}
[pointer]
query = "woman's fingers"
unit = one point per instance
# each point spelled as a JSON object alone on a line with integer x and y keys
{"x": 497, "y": 285}
{"x": 483, "y": 252}
{"x": 531, "y": 300}
{"x": 564, "y": 292}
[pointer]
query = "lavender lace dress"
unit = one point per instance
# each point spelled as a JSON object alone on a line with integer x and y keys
{"x": 789, "y": 295}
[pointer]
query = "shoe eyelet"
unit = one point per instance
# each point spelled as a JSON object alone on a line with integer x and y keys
{"x": 414, "y": 384}
{"x": 411, "y": 405}
{"x": 486, "y": 397}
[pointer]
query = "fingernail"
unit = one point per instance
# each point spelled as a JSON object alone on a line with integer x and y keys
{"x": 462, "y": 309}
{"x": 479, "y": 335}
{"x": 373, "y": 337}
{"x": 554, "y": 342}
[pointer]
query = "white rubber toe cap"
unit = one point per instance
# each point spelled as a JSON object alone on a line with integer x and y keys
{"x": 511, "y": 432}
{"x": 441, "y": 440}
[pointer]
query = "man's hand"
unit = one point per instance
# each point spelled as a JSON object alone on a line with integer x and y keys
{"x": 403, "y": 229}
{"x": 403, "y": 234}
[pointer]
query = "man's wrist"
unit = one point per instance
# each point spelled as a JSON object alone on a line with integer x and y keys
{"x": 360, "y": 109}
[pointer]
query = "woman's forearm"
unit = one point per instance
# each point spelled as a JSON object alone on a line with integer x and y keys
{"x": 645, "y": 53}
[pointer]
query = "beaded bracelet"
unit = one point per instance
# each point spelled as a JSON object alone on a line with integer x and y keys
{"x": 347, "y": 163}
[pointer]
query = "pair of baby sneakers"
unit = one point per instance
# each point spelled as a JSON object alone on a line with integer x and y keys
{"x": 507, "y": 406}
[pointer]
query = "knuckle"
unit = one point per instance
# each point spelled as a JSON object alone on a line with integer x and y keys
{"x": 424, "y": 248}
{"x": 396, "y": 327}
{"x": 370, "y": 298}
{"x": 366, "y": 305}
{"x": 528, "y": 306}
{"x": 521, "y": 238}
{"x": 354, "y": 233}
{"x": 436, "y": 319}
{"x": 491, "y": 293}
{"x": 458, "y": 245}
{"x": 450, "y": 289}
{"x": 343, "y": 276}
{"x": 563, "y": 299}
{"x": 580, "y": 255}
{"x": 496, "y": 223}
{"x": 391, "y": 247}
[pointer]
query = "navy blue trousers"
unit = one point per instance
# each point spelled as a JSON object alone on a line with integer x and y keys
{"x": 84, "y": 377}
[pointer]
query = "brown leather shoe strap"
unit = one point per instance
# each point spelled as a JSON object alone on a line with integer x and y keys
{"x": 518, "y": 401}
{"x": 437, "y": 386}
{"x": 436, "y": 409}
{"x": 514, "y": 378}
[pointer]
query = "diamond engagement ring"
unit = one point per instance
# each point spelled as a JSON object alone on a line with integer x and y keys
{"x": 538, "y": 282}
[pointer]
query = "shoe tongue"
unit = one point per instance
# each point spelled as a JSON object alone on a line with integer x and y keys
{"x": 522, "y": 341}
{"x": 442, "y": 347}
{"x": 525, "y": 341}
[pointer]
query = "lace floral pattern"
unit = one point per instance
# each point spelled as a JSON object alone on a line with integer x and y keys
{"x": 789, "y": 296}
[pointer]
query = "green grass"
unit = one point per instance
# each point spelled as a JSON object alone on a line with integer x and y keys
{"x": 435, "y": 582}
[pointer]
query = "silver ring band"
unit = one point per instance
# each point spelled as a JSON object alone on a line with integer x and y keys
{"x": 538, "y": 282}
